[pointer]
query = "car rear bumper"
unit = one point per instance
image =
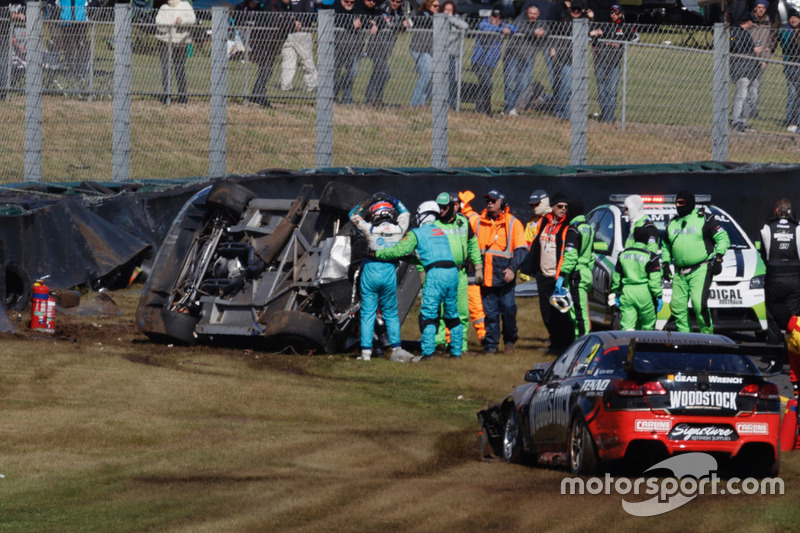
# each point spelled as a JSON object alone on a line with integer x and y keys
{"x": 614, "y": 431}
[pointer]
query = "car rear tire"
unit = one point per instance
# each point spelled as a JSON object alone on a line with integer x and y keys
{"x": 581, "y": 449}
{"x": 230, "y": 196}
{"x": 512, "y": 445}
{"x": 179, "y": 327}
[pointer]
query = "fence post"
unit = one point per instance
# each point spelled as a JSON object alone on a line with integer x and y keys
{"x": 217, "y": 154}
{"x": 441, "y": 91}
{"x": 6, "y": 66}
{"x": 579, "y": 101}
{"x": 623, "y": 118}
{"x": 121, "y": 147}
{"x": 325, "y": 88}
{"x": 33, "y": 93}
{"x": 719, "y": 124}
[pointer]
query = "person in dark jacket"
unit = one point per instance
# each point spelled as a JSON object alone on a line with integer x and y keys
{"x": 486, "y": 55}
{"x": 267, "y": 32}
{"x": 392, "y": 21}
{"x": 781, "y": 253}
{"x": 561, "y": 53}
{"x": 743, "y": 67}
{"x": 609, "y": 48}
{"x": 349, "y": 43}
{"x": 790, "y": 44}
{"x": 518, "y": 61}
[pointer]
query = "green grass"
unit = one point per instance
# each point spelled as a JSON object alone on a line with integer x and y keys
{"x": 104, "y": 431}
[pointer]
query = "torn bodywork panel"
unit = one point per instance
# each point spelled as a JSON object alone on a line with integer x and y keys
{"x": 274, "y": 272}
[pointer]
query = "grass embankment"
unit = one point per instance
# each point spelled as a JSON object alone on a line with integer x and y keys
{"x": 104, "y": 431}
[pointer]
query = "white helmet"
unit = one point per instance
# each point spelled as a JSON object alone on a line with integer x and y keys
{"x": 427, "y": 213}
{"x": 561, "y": 301}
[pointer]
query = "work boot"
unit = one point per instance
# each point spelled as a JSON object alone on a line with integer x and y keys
{"x": 399, "y": 355}
{"x": 508, "y": 348}
{"x": 366, "y": 355}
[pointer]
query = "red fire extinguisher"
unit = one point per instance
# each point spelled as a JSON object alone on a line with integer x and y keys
{"x": 43, "y": 308}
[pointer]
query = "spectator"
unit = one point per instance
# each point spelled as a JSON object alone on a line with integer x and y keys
{"x": 763, "y": 35}
{"x": 790, "y": 44}
{"x": 441, "y": 279}
{"x": 637, "y": 281}
{"x": 380, "y": 49}
{"x": 10, "y": 11}
{"x": 609, "y": 48}
{"x": 299, "y": 45}
{"x": 476, "y": 314}
{"x": 561, "y": 54}
{"x": 464, "y": 247}
{"x": 551, "y": 13}
{"x": 501, "y": 239}
{"x": 577, "y": 266}
{"x": 743, "y": 67}
{"x": 349, "y": 44}
{"x": 383, "y": 221}
{"x": 421, "y": 48}
{"x": 518, "y": 62}
{"x": 173, "y": 26}
{"x": 486, "y": 55}
{"x": 781, "y": 254}
{"x": 72, "y": 37}
{"x": 543, "y": 261}
{"x": 695, "y": 244}
{"x": 455, "y": 38}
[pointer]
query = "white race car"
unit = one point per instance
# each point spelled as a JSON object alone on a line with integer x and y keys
{"x": 736, "y": 296}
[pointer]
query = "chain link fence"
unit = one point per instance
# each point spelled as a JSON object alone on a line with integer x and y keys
{"x": 123, "y": 94}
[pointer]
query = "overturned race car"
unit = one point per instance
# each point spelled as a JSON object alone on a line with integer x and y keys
{"x": 274, "y": 273}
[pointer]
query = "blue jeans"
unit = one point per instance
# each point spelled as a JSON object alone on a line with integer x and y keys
{"x": 379, "y": 284}
{"x": 562, "y": 92}
{"x": 424, "y": 66}
{"x": 499, "y": 302}
{"x": 517, "y": 76}
{"x": 607, "y": 85}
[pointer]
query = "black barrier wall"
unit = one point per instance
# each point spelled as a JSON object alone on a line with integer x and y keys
{"x": 747, "y": 195}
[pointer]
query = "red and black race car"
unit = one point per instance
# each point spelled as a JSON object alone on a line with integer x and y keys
{"x": 640, "y": 394}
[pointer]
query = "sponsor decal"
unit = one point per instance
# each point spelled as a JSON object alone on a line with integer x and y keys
{"x": 659, "y": 426}
{"x": 726, "y": 296}
{"x": 697, "y": 398}
{"x": 550, "y": 407}
{"x": 708, "y": 433}
{"x": 752, "y": 428}
{"x": 681, "y": 378}
{"x": 595, "y": 385}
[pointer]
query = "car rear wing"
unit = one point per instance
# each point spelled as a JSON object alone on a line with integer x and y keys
{"x": 659, "y": 198}
{"x": 753, "y": 350}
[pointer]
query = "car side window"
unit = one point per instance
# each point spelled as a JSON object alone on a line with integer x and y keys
{"x": 586, "y": 355}
{"x": 563, "y": 365}
{"x": 604, "y": 231}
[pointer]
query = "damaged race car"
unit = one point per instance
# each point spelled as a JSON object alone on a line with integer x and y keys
{"x": 639, "y": 396}
{"x": 274, "y": 273}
